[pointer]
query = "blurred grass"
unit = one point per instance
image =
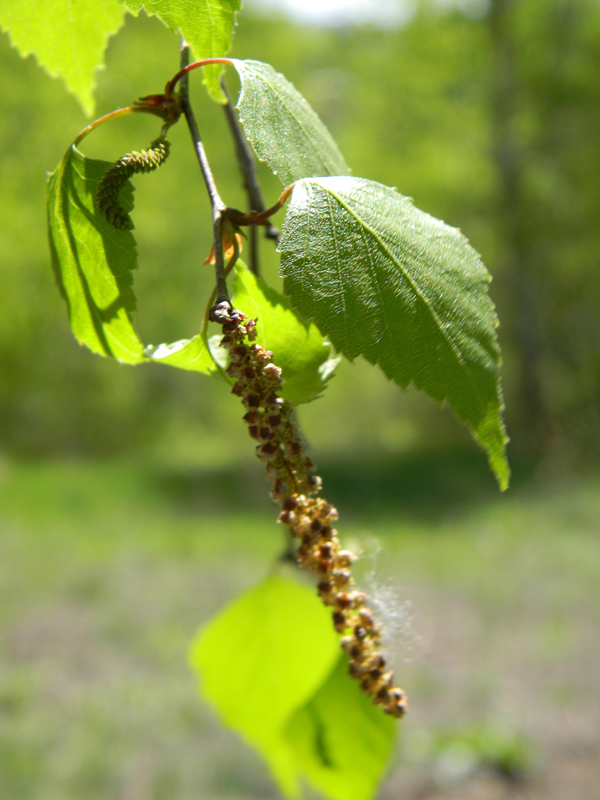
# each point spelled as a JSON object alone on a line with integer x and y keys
{"x": 107, "y": 570}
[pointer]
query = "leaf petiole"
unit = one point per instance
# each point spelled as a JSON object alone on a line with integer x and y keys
{"x": 167, "y": 108}
{"x": 204, "y": 62}
{"x": 120, "y": 112}
{"x": 262, "y": 217}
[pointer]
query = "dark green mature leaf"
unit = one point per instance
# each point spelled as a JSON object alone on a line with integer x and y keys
{"x": 297, "y": 346}
{"x": 92, "y": 261}
{"x": 282, "y": 128}
{"x": 342, "y": 742}
{"x": 384, "y": 280}
{"x": 207, "y": 26}
{"x": 68, "y": 39}
{"x": 260, "y": 660}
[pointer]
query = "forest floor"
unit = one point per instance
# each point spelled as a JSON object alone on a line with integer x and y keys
{"x": 107, "y": 570}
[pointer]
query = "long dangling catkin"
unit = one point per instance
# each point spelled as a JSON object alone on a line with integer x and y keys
{"x": 308, "y": 516}
{"x": 115, "y": 178}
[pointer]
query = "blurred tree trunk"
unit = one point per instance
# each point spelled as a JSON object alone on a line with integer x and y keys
{"x": 545, "y": 115}
{"x": 523, "y": 283}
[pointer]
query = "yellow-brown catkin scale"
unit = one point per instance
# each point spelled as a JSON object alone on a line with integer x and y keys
{"x": 308, "y": 516}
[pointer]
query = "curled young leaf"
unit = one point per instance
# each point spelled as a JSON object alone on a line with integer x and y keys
{"x": 92, "y": 261}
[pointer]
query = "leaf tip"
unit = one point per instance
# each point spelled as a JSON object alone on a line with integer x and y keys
{"x": 493, "y": 438}
{"x": 502, "y": 474}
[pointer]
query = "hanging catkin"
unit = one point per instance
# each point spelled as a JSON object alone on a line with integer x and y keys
{"x": 308, "y": 516}
{"x": 115, "y": 178}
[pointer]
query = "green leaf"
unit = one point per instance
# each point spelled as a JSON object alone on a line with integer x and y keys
{"x": 384, "y": 280}
{"x": 297, "y": 346}
{"x": 282, "y": 128}
{"x": 206, "y": 25}
{"x": 341, "y": 741}
{"x": 92, "y": 261}
{"x": 68, "y": 39}
{"x": 189, "y": 354}
{"x": 260, "y": 660}
{"x": 193, "y": 355}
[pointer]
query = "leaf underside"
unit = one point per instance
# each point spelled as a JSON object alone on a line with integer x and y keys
{"x": 384, "y": 280}
{"x": 206, "y": 25}
{"x": 270, "y": 666}
{"x": 67, "y": 39}
{"x": 282, "y": 128}
{"x": 92, "y": 261}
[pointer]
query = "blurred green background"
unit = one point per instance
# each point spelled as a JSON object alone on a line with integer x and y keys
{"x": 131, "y": 506}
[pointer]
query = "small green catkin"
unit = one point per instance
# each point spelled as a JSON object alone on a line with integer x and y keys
{"x": 115, "y": 178}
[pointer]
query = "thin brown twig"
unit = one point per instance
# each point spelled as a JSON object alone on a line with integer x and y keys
{"x": 244, "y": 155}
{"x": 218, "y": 206}
{"x": 213, "y": 297}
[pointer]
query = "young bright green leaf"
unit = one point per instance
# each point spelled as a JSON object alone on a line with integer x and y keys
{"x": 68, "y": 39}
{"x": 260, "y": 660}
{"x": 297, "y": 346}
{"x": 206, "y": 25}
{"x": 92, "y": 261}
{"x": 189, "y": 354}
{"x": 282, "y": 128}
{"x": 384, "y": 280}
{"x": 220, "y": 355}
{"x": 342, "y": 742}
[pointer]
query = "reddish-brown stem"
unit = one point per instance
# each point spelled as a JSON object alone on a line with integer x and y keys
{"x": 264, "y": 215}
{"x": 262, "y": 218}
{"x": 205, "y": 62}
